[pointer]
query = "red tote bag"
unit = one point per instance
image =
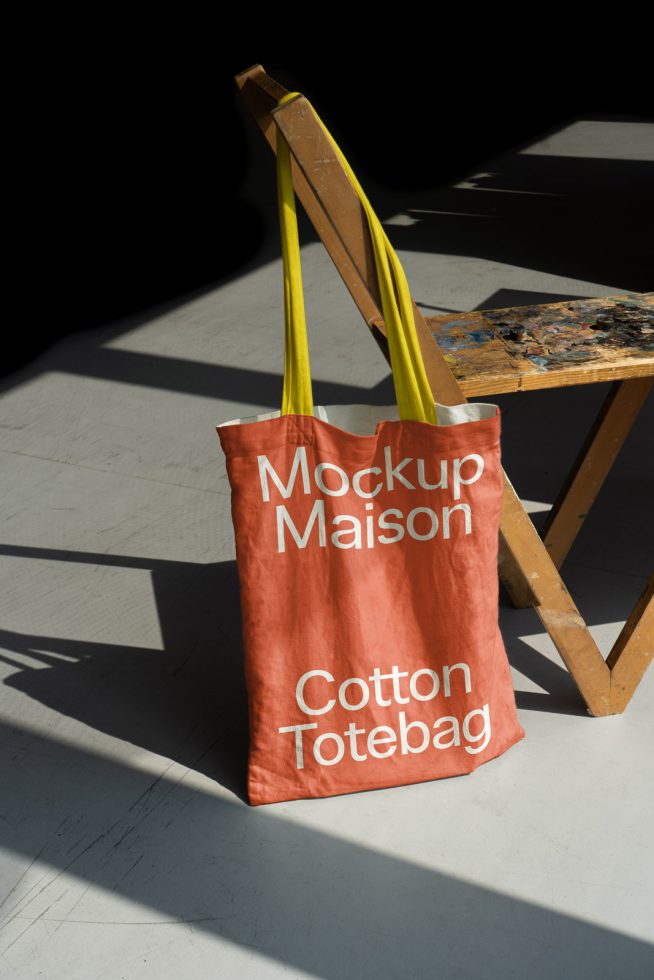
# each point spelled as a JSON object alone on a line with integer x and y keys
{"x": 366, "y": 545}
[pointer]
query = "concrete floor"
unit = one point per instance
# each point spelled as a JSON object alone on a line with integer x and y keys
{"x": 128, "y": 850}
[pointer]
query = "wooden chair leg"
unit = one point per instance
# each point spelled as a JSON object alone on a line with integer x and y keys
{"x": 593, "y": 464}
{"x": 633, "y": 650}
{"x": 511, "y": 575}
{"x": 606, "y": 686}
{"x": 591, "y": 468}
{"x": 555, "y": 605}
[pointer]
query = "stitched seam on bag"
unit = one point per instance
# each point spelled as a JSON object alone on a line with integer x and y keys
{"x": 300, "y": 429}
{"x": 304, "y": 433}
{"x": 344, "y": 455}
{"x": 309, "y": 431}
{"x": 256, "y": 452}
{"x": 358, "y": 455}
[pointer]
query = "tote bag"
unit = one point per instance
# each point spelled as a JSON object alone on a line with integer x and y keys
{"x": 366, "y": 545}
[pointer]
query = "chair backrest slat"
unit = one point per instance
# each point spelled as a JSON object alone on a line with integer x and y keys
{"x": 334, "y": 208}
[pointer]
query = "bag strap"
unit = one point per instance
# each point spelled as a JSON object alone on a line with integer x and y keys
{"x": 412, "y": 391}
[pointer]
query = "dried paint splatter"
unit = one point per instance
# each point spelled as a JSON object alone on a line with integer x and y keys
{"x": 563, "y": 333}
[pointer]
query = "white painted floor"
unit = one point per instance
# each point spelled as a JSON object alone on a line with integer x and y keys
{"x": 127, "y": 847}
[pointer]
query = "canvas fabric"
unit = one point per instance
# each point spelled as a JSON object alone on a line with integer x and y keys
{"x": 366, "y": 545}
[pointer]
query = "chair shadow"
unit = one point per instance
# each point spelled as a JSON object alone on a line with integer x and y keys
{"x": 174, "y": 701}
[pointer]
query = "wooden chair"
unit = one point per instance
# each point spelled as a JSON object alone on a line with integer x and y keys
{"x": 521, "y": 351}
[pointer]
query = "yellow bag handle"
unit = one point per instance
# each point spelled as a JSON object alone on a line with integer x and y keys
{"x": 412, "y": 391}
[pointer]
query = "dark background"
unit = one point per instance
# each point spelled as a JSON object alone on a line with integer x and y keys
{"x": 139, "y": 150}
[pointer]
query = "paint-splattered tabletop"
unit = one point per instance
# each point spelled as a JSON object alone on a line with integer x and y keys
{"x": 526, "y": 347}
